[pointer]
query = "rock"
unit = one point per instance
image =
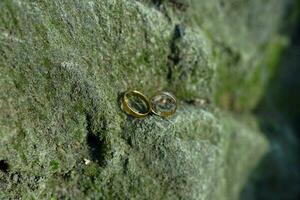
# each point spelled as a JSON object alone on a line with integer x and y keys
{"x": 65, "y": 64}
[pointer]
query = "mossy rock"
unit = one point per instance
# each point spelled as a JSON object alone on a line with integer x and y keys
{"x": 64, "y": 66}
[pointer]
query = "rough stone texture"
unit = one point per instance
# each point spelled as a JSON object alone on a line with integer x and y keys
{"x": 64, "y": 64}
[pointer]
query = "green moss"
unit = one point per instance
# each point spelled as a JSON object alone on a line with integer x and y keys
{"x": 190, "y": 60}
{"x": 241, "y": 88}
{"x": 63, "y": 67}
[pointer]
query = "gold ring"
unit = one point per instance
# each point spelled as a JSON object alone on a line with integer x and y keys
{"x": 130, "y": 110}
{"x": 163, "y": 104}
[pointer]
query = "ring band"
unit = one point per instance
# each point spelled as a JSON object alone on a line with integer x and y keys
{"x": 163, "y": 99}
{"x": 130, "y": 111}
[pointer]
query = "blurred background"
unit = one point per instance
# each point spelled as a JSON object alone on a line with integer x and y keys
{"x": 278, "y": 175}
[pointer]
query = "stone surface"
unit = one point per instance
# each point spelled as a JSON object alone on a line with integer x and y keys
{"x": 64, "y": 64}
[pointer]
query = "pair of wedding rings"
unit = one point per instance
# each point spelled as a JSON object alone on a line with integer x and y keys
{"x": 136, "y": 104}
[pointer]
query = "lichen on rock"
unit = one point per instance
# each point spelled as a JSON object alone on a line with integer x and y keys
{"x": 63, "y": 67}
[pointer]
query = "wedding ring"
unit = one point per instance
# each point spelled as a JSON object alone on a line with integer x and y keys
{"x": 163, "y": 104}
{"x": 140, "y": 107}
